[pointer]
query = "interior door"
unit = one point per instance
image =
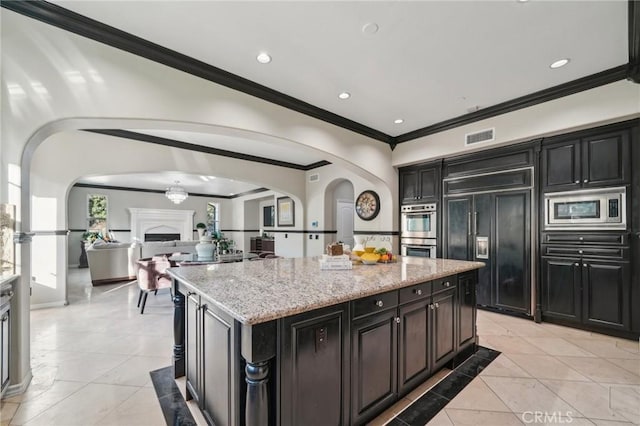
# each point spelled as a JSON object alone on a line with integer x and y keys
{"x": 344, "y": 221}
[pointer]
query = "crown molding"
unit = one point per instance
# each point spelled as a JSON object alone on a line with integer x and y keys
{"x": 158, "y": 191}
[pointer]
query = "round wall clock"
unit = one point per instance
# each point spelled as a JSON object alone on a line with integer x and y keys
{"x": 367, "y": 205}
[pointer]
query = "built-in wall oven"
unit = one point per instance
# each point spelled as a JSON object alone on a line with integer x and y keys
{"x": 418, "y": 226}
{"x": 592, "y": 209}
{"x": 420, "y": 247}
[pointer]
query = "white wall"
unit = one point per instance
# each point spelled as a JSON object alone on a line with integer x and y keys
{"x": 606, "y": 104}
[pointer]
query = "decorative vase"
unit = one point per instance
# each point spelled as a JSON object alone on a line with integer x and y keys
{"x": 205, "y": 249}
{"x": 200, "y": 232}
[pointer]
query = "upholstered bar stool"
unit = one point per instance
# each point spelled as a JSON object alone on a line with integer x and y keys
{"x": 152, "y": 276}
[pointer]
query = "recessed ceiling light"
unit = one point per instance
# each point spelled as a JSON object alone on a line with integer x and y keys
{"x": 370, "y": 28}
{"x": 398, "y": 121}
{"x": 263, "y": 58}
{"x": 522, "y": 1}
{"x": 559, "y": 63}
{"x": 344, "y": 95}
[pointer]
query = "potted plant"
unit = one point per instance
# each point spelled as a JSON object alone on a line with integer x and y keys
{"x": 201, "y": 228}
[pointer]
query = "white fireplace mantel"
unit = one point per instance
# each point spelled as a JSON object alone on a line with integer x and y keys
{"x": 149, "y": 221}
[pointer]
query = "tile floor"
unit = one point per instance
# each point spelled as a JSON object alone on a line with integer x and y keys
{"x": 91, "y": 363}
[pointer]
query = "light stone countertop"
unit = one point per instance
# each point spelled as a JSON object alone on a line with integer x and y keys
{"x": 259, "y": 291}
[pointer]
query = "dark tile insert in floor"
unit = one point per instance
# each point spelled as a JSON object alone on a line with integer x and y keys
{"x": 173, "y": 405}
{"x": 421, "y": 411}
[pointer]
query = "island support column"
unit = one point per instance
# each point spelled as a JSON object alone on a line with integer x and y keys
{"x": 178, "y": 332}
{"x": 258, "y": 348}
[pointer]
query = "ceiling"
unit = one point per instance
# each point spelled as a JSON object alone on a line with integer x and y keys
{"x": 424, "y": 62}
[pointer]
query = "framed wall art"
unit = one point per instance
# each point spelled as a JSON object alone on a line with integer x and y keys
{"x": 286, "y": 211}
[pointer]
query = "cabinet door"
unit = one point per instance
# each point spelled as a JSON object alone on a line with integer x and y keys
{"x": 457, "y": 228}
{"x": 409, "y": 186}
{"x": 443, "y": 327}
{"x": 268, "y": 245}
{"x": 606, "y": 294}
{"x": 606, "y": 159}
{"x": 312, "y": 388}
{"x": 561, "y": 166}
{"x": 561, "y": 288}
{"x": 374, "y": 380}
{"x": 5, "y": 323}
{"x": 512, "y": 251}
{"x": 193, "y": 334}
{"x": 429, "y": 183}
{"x": 466, "y": 307}
{"x": 413, "y": 351}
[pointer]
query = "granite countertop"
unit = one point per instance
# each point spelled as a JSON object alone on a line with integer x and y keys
{"x": 260, "y": 291}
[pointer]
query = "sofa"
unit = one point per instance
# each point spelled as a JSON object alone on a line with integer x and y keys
{"x": 152, "y": 248}
{"x": 112, "y": 262}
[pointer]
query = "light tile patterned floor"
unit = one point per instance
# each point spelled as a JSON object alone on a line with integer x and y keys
{"x": 91, "y": 363}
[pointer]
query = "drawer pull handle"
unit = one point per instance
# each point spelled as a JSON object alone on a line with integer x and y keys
{"x": 418, "y": 292}
{"x": 379, "y": 303}
{"x": 437, "y": 306}
{"x": 578, "y": 181}
{"x": 447, "y": 284}
{"x": 585, "y": 181}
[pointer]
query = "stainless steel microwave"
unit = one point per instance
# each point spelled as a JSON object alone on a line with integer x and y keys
{"x": 594, "y": 209}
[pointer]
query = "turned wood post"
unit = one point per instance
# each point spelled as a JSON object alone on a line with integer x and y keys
{"x": 178, "y": 331}
{"x": 258, "y": 348}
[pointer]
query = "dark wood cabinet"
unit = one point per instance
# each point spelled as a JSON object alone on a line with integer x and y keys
{"x": 374, "y": 380}
{"x": 312, "y": 345}
{"x": 414, "y": 361}
{"x": 588, "y": 291}
{"x": 420, "y": 184}
{"x": 443, "y": 329}
{"x": 493, "y": 228}
{"x": 590, "y": 161}
{"x": 259, "y": 244}
{"x": 467, "y": 312}
{"x": 208, "y": 380}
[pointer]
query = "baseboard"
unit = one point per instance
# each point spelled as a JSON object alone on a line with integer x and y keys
{"x": 50, "y": 305}
{"x": 113, "y": 280}
{"x": 18, "y": 388}
{"x": 73, "y": 265}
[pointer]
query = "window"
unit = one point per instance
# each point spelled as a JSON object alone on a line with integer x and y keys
{"x": 213, "y": 219}
{"x": 96, "y": 213}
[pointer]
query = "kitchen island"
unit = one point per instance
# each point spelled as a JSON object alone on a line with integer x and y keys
{"x": 280, "y": 342}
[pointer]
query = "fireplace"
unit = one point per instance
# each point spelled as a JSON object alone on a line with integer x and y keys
{"x": 161, "y": 237}
{"x": 149, "y": 223}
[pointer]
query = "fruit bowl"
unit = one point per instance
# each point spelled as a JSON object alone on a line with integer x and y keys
{"x": 369, "y": 262}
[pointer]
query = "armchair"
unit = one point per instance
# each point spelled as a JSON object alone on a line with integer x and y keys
{"x": 151, "y": 276}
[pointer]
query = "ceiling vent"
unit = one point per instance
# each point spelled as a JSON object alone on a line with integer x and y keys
{"x": 314, "y": 177}
{"x": 478, "y": 137}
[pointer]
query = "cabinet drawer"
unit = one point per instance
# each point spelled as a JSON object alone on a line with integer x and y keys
{"x": 581, "y": 251}
{"x": 415, "y": 292}
{"x": 443, "y": 284}
{"x": 376, "y": 303}
{"x": 585, "y": 238}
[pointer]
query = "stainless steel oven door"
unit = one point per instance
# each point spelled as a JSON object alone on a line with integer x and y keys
{"x": 418, "y": 247}
{"x": 419, "y": 224}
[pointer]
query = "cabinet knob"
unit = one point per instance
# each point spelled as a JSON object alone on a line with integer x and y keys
{"x": 380, "y": 303}
{"x": 576, "y": 264}
{"x": 431, "y": 306}
{"x": 578, "y": 181}
{"x": 4, "y": 318}
{"x": 580, "y": 251}
{"x": 446, "y": 284}
{"x": 398, "y": 320}
{"x": 581, "y": 238}
{"x": 584, "y": 265}
{"x": 418, "y": 292}
{"x": 585, "y": 181}
{"x": 437, "y": 305}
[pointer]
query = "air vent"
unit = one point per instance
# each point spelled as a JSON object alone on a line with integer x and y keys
{"x": 478, "y": 137}
{"x": 314, "y": 177}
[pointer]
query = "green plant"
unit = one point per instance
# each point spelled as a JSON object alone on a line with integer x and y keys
{"x": 201, "y": 225}
{"x": 90, "y": 236}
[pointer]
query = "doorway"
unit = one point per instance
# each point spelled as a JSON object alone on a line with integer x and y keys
{"x": 344, "y": 221}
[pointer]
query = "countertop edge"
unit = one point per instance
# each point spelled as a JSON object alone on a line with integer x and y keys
{"x": 258, "y": 319}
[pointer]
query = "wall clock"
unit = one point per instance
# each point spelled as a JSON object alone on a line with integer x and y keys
{"x": 367, "y": 205}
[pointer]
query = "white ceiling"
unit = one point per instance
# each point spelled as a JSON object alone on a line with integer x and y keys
{"x": 428, "y": 62}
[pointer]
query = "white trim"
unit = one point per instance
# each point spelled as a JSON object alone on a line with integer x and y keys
{"x": 18, "y": 388}
{"x": 50, "y": 305}
{"x": 143, "y": 220}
